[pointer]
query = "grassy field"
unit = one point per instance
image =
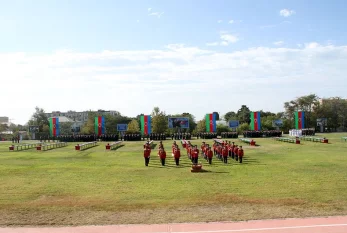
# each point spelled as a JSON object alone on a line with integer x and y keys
{"x": 276, "y": 180}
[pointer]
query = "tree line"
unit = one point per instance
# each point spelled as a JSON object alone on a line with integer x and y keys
{"x": 333, "y": 109}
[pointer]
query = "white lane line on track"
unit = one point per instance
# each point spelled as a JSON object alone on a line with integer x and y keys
{"x": 257, "y": 229}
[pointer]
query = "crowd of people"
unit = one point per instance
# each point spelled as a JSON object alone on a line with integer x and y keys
{"x": 308, "y": 132}
{"x": 156, "y": 136}
{"x": 221, "y": 150}
{"x": 229, "y": 134}
{"x": 180, "y": 136}
{"x": 260, "y": 134}
{"x": 131, "y": 137}
{"x": 206, "y": 135}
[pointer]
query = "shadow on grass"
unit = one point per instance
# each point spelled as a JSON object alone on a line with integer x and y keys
{"x": 120, "y": 146}
{"x": 153, "y": 145}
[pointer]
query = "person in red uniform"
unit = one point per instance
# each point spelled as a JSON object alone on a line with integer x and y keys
{"x": 147, "y": 155}
{"x": 215, "y": 148}
{"x": 225, "y": 154}
{"x": 162, "y": 156}
{"x": 236, "y": 152}
{"x": 177, "y": 155}
{"x": 209, "y": 155}
{"x": 240, "y": 154}
{"x": 195, "y": 155}
{"x": 232, "y": 150}
{"x": 174, "y": 145}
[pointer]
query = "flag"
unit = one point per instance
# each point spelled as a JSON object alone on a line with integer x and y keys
{"x": 99, "y": 125}
{"x": 299, "y": 119}
{"x": 255, "y": 121}
{"x": 145, "y": 124}
{"x": 54, "y": 126}
{"x": 211, "y": 122}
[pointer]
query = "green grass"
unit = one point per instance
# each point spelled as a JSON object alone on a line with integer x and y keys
{"x": 276, "y": 180}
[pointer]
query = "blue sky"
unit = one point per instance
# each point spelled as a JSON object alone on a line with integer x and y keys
{"x": 168, "y": 52}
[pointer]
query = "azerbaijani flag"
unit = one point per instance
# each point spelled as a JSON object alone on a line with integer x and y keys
{"x": 255, "y": 121}
{"x": 211, "y": 123}
{"x": 145, "y": 124}
{"x": 99, "y": 125}
{"x": 299, "y": 119}
{"x": 54, "y": 126}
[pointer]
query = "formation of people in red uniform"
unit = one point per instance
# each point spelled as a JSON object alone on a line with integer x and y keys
{"x": 221, "y": 150}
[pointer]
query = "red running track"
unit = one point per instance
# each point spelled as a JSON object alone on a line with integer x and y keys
{"x": 308, "y": 225}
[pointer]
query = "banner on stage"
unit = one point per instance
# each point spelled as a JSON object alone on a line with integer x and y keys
{"x": 179, "y": 122}
{"x": 322, "y": 121}
{"x": 33, "y": 129}
{"x": 122, "y": 127}
{"x": 277, "y": 123}
{"x": 234, "y": 124}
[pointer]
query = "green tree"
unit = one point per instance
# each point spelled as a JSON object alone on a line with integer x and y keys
{"x": 243, "y": 127}
{"x": 222, "y": 128}
{"x": 308, "y": 103}
{"x": 230, "y": 116}
{"x": 89, "y": 126}
{"x": 201, "y": 126}
{"x": 244, "y": 115}
{"x": 65, "y": 128}
{"x": 335, "y": 110}
{"x": 159, "y": 121}
{"x": 133, "y": 126}
{"x": 39, "y": 118}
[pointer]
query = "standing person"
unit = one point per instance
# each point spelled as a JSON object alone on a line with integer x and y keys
{"x": 195, "y": 155}
{"x": 162, "y": 156}
{"x": 209, "y": 155}
{"x": 177, "y": 154}
{"x": 240, "y": 153}
{"x": 174, "y": 146}
{"x": 225, "y": 154}
{"x": 232, "y": 150}
{"x": 147, "y": 154}
{"x": 236, "y": 152}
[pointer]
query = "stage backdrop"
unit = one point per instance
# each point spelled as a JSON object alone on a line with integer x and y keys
{"x": 234, "y": 124}
{"x": 179, "y": 122}
{"x": 277, "y": 123}
{"x": 122, "y": 127}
